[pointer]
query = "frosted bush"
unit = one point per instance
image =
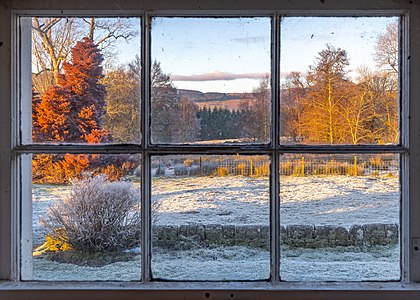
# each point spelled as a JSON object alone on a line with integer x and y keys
{"x": 208, "y": 168}
{"x": 194, "y": 170}
{"x": 160, "y": 170}
{"x": 97, "y": 215}
{"x": 180, "y": 170}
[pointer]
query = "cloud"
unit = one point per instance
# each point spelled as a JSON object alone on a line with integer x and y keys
{"x": 250, "y": 39}
{"x": 214, "y": 76}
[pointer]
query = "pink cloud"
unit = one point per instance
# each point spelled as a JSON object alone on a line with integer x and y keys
{"x": 218, "y": 76}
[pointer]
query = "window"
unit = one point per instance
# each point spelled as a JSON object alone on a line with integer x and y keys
{"x": 211, "y": 150}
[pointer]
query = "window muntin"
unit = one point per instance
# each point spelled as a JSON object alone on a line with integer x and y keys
{"x": 258, "y": 149}
{"x": 210, "y": 77}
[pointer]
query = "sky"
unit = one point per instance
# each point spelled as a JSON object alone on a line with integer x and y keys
{"x": 233, "y": 54}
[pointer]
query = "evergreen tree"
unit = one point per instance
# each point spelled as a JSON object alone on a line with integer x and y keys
{"x": 218, "y": 124}
{"x": 72, "y": 110}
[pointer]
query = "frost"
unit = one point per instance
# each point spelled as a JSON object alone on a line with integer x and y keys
{"x": 236, "y": 200}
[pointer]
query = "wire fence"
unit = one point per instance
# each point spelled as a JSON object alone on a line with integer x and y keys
{"x": 349, "y": 165}
{"x": 290, "y": 165}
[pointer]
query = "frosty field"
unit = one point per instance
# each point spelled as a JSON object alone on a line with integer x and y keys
{"x": 238, "y": 200}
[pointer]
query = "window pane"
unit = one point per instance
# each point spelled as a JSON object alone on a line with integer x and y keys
{"x": 86, "y": 217}
{"x": 339, "y": 80}
{"x": 339, "y": 217}
{"x": 210, "y": 217}
{"x": 86, "y": 80}
{"x": 211, "y": 80}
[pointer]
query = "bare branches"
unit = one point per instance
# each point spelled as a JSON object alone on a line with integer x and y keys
{"x": 386, "y": 49}
{"x": 53, "y": 39}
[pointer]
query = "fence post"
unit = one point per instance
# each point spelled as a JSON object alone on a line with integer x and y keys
{"x": 355, "y": 165}
{"x": 250, "y": 166}
{"x": 303, "y": 166}
{"x": 201, "y": 167}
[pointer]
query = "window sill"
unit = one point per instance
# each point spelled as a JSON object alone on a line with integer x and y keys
{"x": 212, "y": 290}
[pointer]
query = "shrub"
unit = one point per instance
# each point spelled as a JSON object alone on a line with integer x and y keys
{"x": 137, "y": 172}
{"x": 180, "y": 170}
{"x": 188, "y": 163}
{"x": 97, "y": 215}
{"x": 376, "y": 162}
{"x": 262, "y": 170}
{"x": 241, "y": 169}
{"x": 222, "y": 171}
{"x": 208, "y": 168}
{"x": 286, "y": 167}
{"x": 160, "y": 170}
{"x": 194, "y": 171}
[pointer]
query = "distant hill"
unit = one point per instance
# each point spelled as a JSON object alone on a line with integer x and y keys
{"x": 197, "y": 96}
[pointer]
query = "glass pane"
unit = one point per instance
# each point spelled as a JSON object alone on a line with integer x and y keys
{"x": 86, "y": 80}
{"x": 86, "y": 217}
{"x": 210, "y": 218}
{"x": 339, "y": 81}
{"x": 340, "y": 217}
{"x": 211, "y": 80}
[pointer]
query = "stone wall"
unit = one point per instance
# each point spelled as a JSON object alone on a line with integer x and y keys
{"x": 257, "y": 236}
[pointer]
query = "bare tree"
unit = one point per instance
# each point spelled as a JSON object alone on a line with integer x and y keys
{"x": 386, "y": 49}
{"x": 358, "y": 112}
{"x": 382, "y": 92}
{"x": 54, "y": 37}
{"x": 293, "y": 96}
{"x": 122, "y": 118}
{"x": 164, "y": 106}
{"x": 52, "y": 40}
{"x": 188, "y": 126}
{"x": 262, "y": 106}
{"x": 386, "y": 81}
{"x": 327, "y": 88}
{"x": 255, "y": 113}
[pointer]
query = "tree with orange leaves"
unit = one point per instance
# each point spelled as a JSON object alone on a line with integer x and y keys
{"x": 72, "y": 110}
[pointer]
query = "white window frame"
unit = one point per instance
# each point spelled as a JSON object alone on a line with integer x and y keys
{"x": 14, "y": 121}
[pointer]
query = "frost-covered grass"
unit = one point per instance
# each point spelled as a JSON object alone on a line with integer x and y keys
{"x": 317, "y": 200}
{"x": 378, "y": 263}
{"x": 240, "y": 263}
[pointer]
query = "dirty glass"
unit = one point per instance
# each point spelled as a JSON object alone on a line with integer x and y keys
{"x": 86, "y": 217}
{"x": 339, "y": 80}
{"x": 340, "y": 217}
{"x": 210, "y": 217}
{"x": 210, "y": 80}
{"x": 85, "y": 80}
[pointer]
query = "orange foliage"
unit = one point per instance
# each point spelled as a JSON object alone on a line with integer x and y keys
{"x": 71, "y": 111}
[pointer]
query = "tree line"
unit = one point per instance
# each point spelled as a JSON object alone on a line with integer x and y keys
{"x": 328, "y": 107}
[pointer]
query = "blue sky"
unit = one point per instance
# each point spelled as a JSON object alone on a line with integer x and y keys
{"x": 303, "y": 38}
{"x": 233, "y": 54}
{"x": 201, "y": 52}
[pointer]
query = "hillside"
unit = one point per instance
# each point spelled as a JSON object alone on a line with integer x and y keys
{"x": 214, "y": 99}
{"x": 197, "y": 96}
